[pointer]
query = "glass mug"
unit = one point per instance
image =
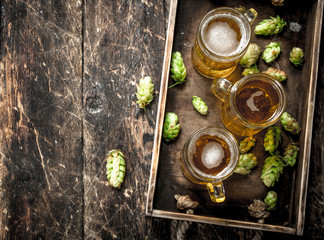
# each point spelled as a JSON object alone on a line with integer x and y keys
{"x": 253, "y": 103}
{"x": 209, "y": 156}
{"x": 222, "y": 39}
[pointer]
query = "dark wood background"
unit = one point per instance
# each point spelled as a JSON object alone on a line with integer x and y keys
{"x": 68, "y": 74}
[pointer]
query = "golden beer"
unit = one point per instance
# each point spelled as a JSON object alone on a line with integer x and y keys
{"x": 222, "y": 39}
{"x": 251, "y": 104}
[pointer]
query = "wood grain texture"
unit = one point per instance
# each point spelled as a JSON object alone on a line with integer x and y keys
{"x": 40, "y": 140}
{"x": 123, "y": 41}
{"x": 68, "y": 74}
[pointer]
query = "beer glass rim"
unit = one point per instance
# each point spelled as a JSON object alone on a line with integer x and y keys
{"x": 277, "y": 86}
{"x": 234, "y": 151}
{"x": 207, "y": 50}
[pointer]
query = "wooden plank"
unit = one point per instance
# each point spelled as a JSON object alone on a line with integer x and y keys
{"x": 41, "y": 127}
{"x": 123, "y": 41}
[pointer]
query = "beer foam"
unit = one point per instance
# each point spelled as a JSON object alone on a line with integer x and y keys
{"x": 221, "y": 38}
{"x": 212, "y": 155}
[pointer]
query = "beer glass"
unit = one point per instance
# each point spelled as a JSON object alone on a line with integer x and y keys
{"x": 253, "y": 103}
{"x": 209, "y": 156}
{"x": 222, "y": 39}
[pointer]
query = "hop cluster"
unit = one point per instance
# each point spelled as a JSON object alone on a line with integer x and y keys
{"x": 145, "y": 91}
{"x": 199, "y": 105}
{"x": 171, "y": 127}
{"x": 178, "y": 69}
{"x": 270, "y": 26}
{"x": 276, "y": 74}
{"x": 272, "y": 139}
{"x": 271, "y": 200}
{"x": 115, "y": 168}
{"x": 271, "y": 52}
{"x": 272, "y": 169}
{"x": 246, "y": 163}
{"x": 296, "y": 56}
{"x": 290, "y": 124}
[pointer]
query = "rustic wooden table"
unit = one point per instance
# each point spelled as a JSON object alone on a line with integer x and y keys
{"x": 68, "y": 74}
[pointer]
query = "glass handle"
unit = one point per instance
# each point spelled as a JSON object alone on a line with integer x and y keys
{"x": 216, "y": 192}
{"x": 220, "y": 88}
{"x": 251, "y": 15}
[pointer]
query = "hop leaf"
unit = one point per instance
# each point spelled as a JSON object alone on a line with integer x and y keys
{"x": 251, "y": 56}
{"x": 270, "y": 26}
{"x": 296, "y": 56}
{"x": 272, "y": 169}
{"x": 250, "y": 70}
{"x": 115, "y": 168}
{"x": 246, "y": 144}
{"x": 290, "y": 124}
{"x": 178, "y": 69}
{"x": 199, "y": 105}
{"x": 145, "y": 91}
{"x": 271, "y": 200}
{"x": 290, "y": 154}
{"x": 272, "y": 139}
{"x": 246, "y": 163}
{"x": 271, "y": 52}
{"x": 276, "y": 74}
{"x": 171, "y": 127}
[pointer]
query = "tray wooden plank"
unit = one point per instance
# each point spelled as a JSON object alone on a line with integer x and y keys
{"x": 166, "y": 178}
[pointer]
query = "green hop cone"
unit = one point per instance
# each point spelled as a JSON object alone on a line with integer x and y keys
{"x": 290, "y": 124}
{"x": 296, "y": 56}
{"x": 290, "y": 154}
{"x": 246, "y": 163}
{"x": 272, "y": 139}
{"x": 271, "y": 170}
{"x": 276, "y": 74}
{"x": 171, "y": 127}
{"x": 270, "y": 26}
{"x": 271, "y": 200}
{"x": 145, "y": 91}
{"x": 246, "y": 144}
{"x": 115, "y": 168}
{"x": 250, "y": 70}
{"x": 251, "y": 56}
{"x": 178, "y": 69}
{"x": 199, "y": 105}
{"x": 271, "y": 52}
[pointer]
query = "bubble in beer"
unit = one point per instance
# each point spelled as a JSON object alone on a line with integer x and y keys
{"x": 212, "y": 155}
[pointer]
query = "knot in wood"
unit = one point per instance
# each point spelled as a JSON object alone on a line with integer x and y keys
{"x": 185, "y": 202}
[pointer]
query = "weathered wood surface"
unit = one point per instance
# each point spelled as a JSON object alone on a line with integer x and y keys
{"x": 68, "y": 73}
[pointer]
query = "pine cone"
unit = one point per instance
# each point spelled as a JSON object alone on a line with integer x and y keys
{"x": 271, "y": 200}
{"x": 272, "y": 139}
{"x": 115, "y": 168}
{"x": 276, "y": 74}
{"x": 271, "y": 52}
{"x": 290, "y": 124}
{"x": 251, "y": 56}
{"x": 296, "y": 56}
{"x": 246, "y": 163}
{"x": 199, "y": 105}
{"x": 290, "y": 154}
{"x": 270, "y": 26}
{"x": 272, "y": 169}
{"x": 145, "y": 91}
{"x": 257, "y": 209}
{"x": 178, "y": 69}
{"x": 171, "y": 128}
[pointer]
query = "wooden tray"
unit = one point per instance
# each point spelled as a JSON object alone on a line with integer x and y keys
{"x": 166, "y": 178}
